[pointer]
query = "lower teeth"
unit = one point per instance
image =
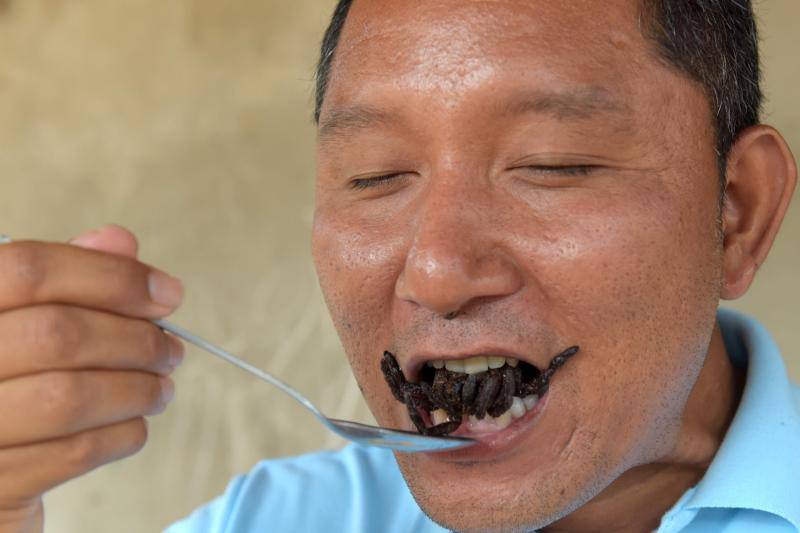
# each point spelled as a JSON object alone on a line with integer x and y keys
{"x": 519, "y": 407}
{"x": 491, "y": 423}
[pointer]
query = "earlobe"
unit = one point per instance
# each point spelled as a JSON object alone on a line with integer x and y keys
{"x": 739, "y": 269}
{"x": 761, "y": 177}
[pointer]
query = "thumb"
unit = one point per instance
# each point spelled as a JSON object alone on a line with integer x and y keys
{"x": 110, "y": 238}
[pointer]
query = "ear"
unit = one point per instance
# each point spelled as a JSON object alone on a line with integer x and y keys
{"x": 761, "y": 177}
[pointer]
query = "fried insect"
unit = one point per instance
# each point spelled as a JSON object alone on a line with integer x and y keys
{"x": 505, "y": 396}
{"x": 416, "y": 399}
{"x": 468, "y": 392}
{"x": 517, "y": 377}
{"x": 542, "y": 382}
{"x": 447, "y": 386}
{"x": 445, "y": 428}
{"x": 422, "y": 397}
{"x": 394, "y": 376}
{"x": 486, "y": 393}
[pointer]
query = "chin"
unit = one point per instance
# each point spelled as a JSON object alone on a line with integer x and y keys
{"x": 471, "y": 499}
{"x": 537, "y": 470}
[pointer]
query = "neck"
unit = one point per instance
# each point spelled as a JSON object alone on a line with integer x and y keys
{"x": 638, "y": 499}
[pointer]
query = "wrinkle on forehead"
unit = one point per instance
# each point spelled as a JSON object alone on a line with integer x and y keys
{"x": 449, "y": 47}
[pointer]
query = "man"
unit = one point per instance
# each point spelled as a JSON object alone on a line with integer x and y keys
{"x": 495, "y": 179}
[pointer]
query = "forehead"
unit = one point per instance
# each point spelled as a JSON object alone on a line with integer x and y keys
{"x": 447, "y": 50}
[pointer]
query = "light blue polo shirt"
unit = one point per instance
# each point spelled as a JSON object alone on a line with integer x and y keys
{"x": 752, "y": 485}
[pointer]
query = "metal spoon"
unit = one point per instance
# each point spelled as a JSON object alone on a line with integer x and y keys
{"x": 394, "y": 439}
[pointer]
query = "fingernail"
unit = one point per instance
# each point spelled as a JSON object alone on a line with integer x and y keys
{"x": 85, "y": 239}
{"x": 175, "y": 352}
{"x": 167, "y": 390}
{"x": 164, "y": 289}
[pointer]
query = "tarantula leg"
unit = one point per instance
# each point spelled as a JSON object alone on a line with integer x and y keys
{"x": 421, "y": 395}
{"x": 442, "y": 429}
{"x": 559, "y": 360}
{"x": 413, "y": 413}
{"x": 436, "y": 399}
{"x": 393, "y": 375}
{"x": 542, "y": 382}
{"x": 487, "y": 393}
{"x": 468, "y": 392}
{"x": 506, "y": 395}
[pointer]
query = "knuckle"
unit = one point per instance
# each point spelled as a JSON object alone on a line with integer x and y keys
{"x": 153, "y": 397}
{"x": 154, "y": 343}
{"x": 61, "y": 398}
{"x": 90, "y": 449}
{"x": 23, "y": 267}
{"x": 129, "y": 278}
{"x": 56, "y": 333}
{"x": 138, "y": 436}
{"x": 85, "y": 450}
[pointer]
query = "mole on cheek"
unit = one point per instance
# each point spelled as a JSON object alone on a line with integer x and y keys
{"x": 618, "y": 40}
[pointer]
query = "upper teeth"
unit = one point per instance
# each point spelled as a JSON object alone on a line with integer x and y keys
{"x": 474, "y": 365}
{"x": 496, "y": 362}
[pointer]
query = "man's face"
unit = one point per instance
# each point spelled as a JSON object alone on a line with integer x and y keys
{"x": 556, "y": 185}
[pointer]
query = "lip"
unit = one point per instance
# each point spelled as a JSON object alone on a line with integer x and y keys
{"x": 492, "y": 446}
{"x": 413, "y": 365}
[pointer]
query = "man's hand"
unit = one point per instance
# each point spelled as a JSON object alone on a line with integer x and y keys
{"x": 80, "y": 364}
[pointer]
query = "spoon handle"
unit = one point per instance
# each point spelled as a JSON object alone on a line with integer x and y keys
{"x": 232, "y": 359}
{"x": 219, "y": 352}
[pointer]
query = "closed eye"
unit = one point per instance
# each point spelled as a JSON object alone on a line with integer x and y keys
{"x": 392, "y": 179}
{"x": 565, "y": 170}
{"x": 377, "y": 181}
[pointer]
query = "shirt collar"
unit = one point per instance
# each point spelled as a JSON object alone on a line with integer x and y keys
{"x": 757, "y": 465}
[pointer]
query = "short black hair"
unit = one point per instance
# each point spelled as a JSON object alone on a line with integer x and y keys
{"x": 713, "y": 42}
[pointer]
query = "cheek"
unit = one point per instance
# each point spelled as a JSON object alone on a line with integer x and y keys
{"x": 357, "y": 269}
{"x": 638, "y": 282}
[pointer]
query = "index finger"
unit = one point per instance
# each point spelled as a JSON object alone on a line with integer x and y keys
{"x": 33, "y": 272}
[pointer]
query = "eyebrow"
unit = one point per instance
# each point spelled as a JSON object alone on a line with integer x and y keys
{"x": 575, "y": 104}
{"x": 354, "y": 117}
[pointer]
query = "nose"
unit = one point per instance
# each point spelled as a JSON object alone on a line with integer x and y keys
{"x": 457, "y": 256}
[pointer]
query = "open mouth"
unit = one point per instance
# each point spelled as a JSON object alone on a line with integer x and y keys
{"x": 489, "y": 392}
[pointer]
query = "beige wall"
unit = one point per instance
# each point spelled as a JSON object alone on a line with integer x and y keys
{"x": 189, "y": 122}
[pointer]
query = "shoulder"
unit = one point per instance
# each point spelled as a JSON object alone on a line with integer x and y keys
{"x": 353, "y": 489}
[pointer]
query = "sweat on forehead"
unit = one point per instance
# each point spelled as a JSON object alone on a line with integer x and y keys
{"x": 451, "y": 47}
